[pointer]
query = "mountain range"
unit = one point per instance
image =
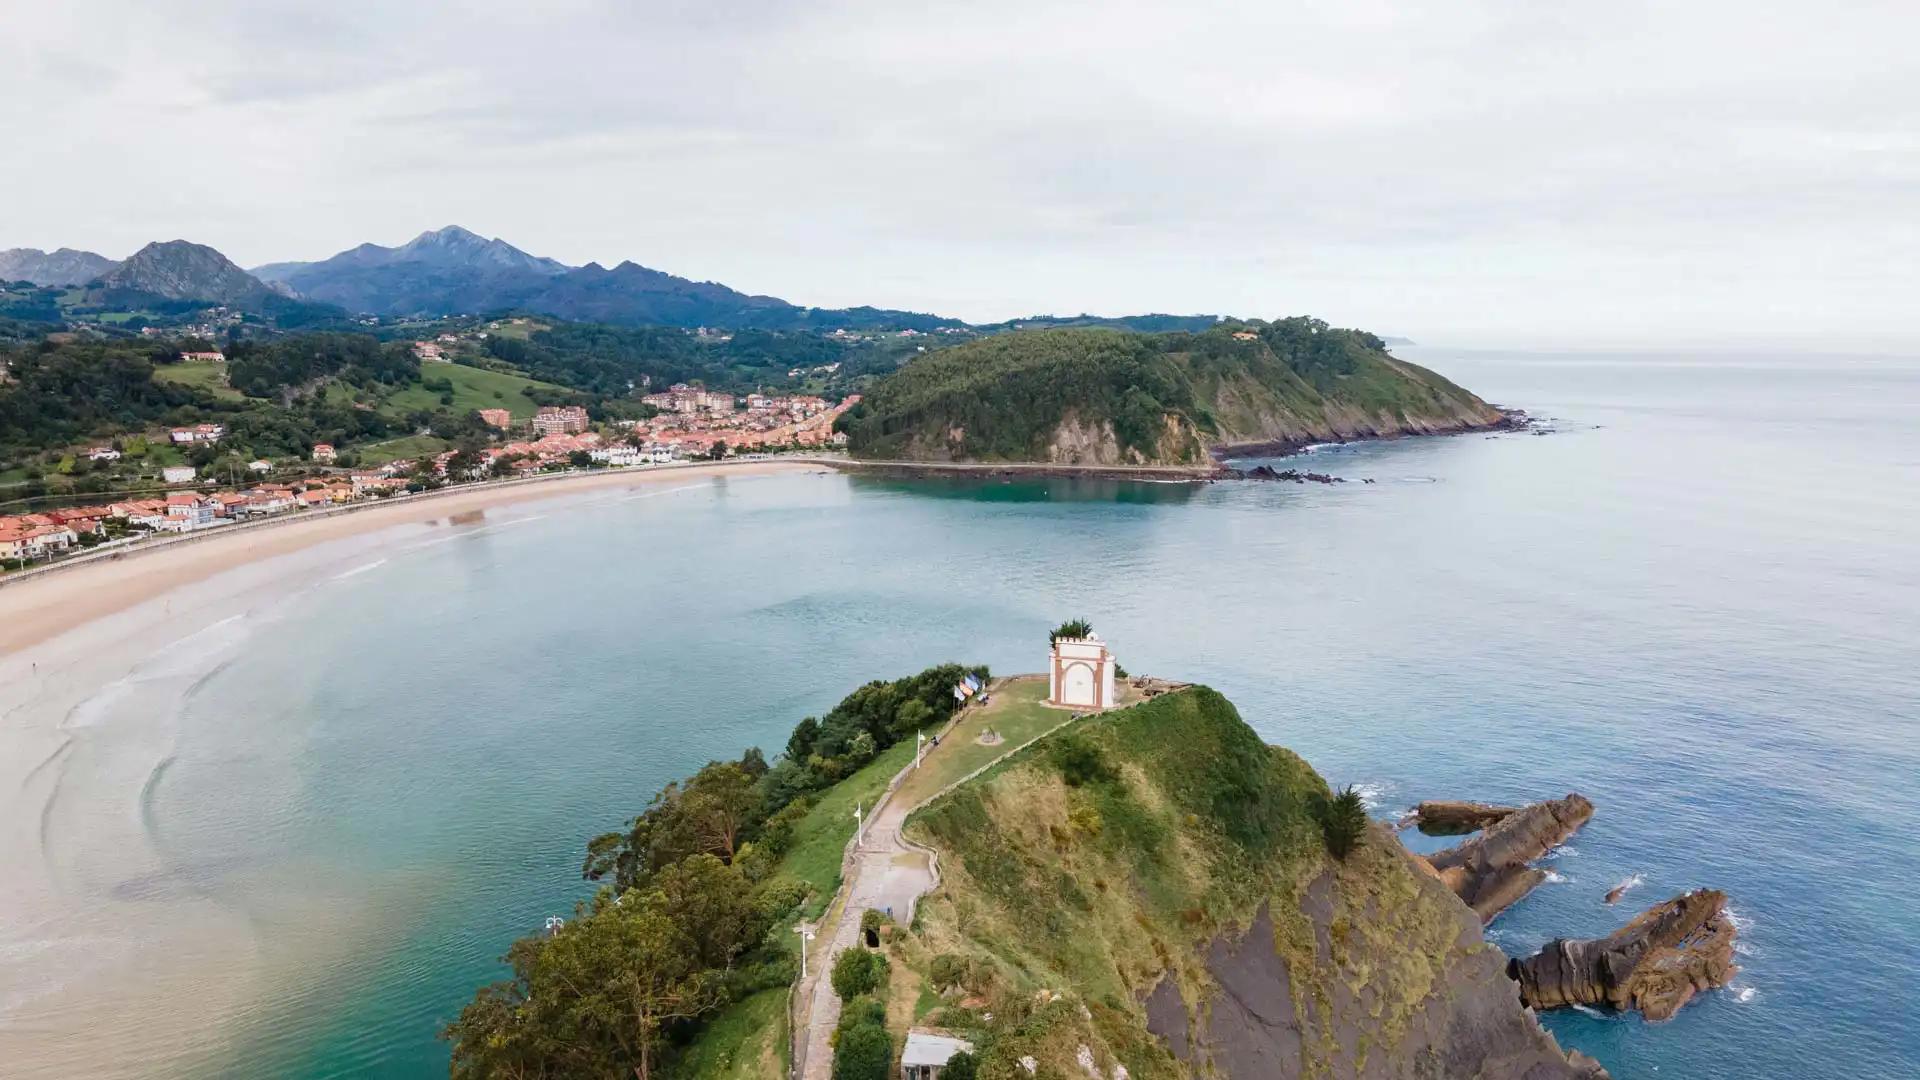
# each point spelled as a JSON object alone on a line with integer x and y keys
{"x": 52, "y": 268}
{"x": 449, "y": 271}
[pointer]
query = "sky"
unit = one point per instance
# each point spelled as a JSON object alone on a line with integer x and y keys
{"x": 1536, "y": 172}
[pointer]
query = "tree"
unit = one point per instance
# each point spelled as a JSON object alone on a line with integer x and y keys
{"x": 856, "y": 972}
{"x": 720, "y": 800}
{"x": 1343, "y": 821}
{"x": 864, "y": 1052}
{"x": 580, "y": 459}
{"x": 961, "y": 1066}
{"x": 592, "y": 1000}
{"x": 717, "y": 451}
{"x": 1072, "y": 628}
{"x": 715, "y": 903}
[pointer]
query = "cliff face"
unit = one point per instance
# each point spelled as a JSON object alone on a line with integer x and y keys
{"x": 1149, "y": 892}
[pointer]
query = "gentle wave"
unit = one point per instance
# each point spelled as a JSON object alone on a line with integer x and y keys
{"x": 374, "y": 565}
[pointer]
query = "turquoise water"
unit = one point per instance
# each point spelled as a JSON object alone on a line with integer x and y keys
{"x": 1698, "y": 602}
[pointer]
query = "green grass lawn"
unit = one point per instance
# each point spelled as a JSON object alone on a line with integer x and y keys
{"x": 209, "y": 377}
{"x": 473, "y": 388}
{"x": 521, "y": 332}
{"x": 1015, "y": 713}
{"x": 745, "y": 1041}
{"x": 410, "y": 446}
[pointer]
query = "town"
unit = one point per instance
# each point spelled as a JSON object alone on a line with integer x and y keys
{"x": 692, "y": 423}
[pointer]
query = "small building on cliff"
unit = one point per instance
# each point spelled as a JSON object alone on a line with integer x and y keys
{"x": 1080, "y": 673}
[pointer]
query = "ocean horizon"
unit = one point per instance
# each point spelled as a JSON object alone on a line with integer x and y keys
{"x": 1692, "y": 597}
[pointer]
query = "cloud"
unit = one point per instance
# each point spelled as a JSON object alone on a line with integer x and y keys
{"x": 1471, "y": 170}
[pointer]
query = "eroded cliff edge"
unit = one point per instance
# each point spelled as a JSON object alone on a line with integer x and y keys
{"x": 1149, "y": 894}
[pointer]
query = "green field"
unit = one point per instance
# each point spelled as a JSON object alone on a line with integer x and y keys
{"x": 209, "y": 377}
{"x": 411, "y": 446}
{"x": 473, "y": 388}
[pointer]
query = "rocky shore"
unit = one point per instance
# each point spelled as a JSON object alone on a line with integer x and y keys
{"x": 1655, "y": 964}
{"x": 1493, "y": 869}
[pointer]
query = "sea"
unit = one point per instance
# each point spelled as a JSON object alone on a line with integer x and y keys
{"x": 1691, "y": 592}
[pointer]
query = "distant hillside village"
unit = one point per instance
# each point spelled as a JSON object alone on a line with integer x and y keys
{"x": 693, "y": 423}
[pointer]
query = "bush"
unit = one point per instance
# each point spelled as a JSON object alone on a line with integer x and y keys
{"x": 865, "y": 1052}
{"x": 871, "y": 920}
{"x": 961, "y": 1066}
{"x": 1080, "y": 762}
{"x": 857, "y": 972}
{"x": 949, "y": 970}
{"x": 1343, "y": 820}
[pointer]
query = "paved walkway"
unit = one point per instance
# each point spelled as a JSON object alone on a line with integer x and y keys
{"x": 887, "y": 873}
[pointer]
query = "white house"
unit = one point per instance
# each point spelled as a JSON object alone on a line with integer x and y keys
{"x": 1080, "y": 673}
{"x": 926, "y": 1054}
{"x": 618, "y": 454}
{"x": 103, "y": 453}
{"x": 177, "y": 474}
{"x": 260, "y": 466}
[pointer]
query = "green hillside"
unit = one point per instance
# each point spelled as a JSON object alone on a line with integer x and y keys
{"x": 462, "y": 389}
{"x": 1100, "y": 888}
{"x": 1110, "y": 397}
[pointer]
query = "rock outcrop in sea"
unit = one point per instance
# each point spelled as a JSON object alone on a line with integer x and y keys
{"x": 1449, "y": 817}
{"x": 1655, "y": 964}
{"x": 1493, "y": 869}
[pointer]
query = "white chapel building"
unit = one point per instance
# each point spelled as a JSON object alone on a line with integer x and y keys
{"x": 1080, "y": 673}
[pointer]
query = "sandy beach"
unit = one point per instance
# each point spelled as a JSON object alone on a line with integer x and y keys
{"x": 37, "y": 609}
{"x": 111, "y": 962}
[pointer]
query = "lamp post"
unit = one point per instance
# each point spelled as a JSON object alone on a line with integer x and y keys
{"x": 859, "y": 827}
{"x": 919, "y": 747}
{"x": 806, "y": 935}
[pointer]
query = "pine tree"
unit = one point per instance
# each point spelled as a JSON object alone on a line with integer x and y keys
{"x": 1343, "y": 819}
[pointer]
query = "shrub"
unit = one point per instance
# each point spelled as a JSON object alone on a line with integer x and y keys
{"x": 1343, "y": 821}
{"x": 871, "y": 920}
{"x": 960, "y": 1066}
{"x": 857, "y": 972}
{"x": 864, "y": 1052}
{"x": 1080, "y": 762}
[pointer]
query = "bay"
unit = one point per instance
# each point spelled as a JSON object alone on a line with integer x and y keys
{"x": 1697, "y": 602}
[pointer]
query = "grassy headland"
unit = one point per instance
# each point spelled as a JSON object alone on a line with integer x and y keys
{"x": 1108, "y": 397}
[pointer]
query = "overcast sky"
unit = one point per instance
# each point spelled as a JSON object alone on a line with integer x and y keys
{"x": 1536, "y": 171}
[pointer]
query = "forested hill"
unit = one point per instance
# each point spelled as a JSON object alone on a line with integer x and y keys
{"x": 1110, "y": 397}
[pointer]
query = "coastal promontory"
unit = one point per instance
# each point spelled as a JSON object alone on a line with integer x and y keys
{"x": 1099, "y": 396}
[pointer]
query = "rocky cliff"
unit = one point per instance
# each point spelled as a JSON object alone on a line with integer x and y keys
{"x": 1148, "y": 894}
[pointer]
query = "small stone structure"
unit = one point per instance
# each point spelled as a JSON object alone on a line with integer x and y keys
{"x": 1080, "y": 673}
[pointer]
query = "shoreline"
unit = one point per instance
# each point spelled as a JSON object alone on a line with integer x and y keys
{"x": 1510, "y": 420}
{"x": 38, "y": 606}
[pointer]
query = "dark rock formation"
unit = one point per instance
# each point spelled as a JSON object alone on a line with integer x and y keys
{"x": 1268, "y": 472}
{"x": 1252, "y": 1028}
{"x": 1446, "y": 817}
{"x": 1656, "y": 963}
{"x": 1491, "y": 871}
